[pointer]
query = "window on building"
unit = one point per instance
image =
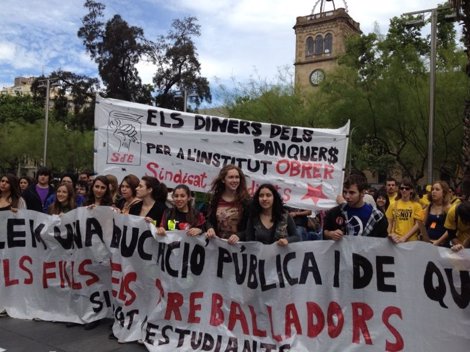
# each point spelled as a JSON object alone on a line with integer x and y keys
{"x": 318, "y": 45}
{"x": 310, "y": 44}
{"x": 328, "y": 43}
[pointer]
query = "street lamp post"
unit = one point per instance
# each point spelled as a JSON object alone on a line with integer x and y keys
{"x": 46, "y": 119}
{"x": 432, "y": 79}
{"x": 432, "y": 84}
{"x": 350, "y": 148}
{"x": 432, "y": 94}
{"x": 46, "y": 122}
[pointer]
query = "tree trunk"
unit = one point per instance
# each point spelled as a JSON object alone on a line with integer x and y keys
{"x": 462, "y": 8}
{"x": 466, "y": 140}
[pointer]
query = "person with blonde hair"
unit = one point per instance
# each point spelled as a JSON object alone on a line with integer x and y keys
{"x": 435, "y": 214}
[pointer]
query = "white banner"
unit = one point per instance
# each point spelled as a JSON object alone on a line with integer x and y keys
{"x": 56, "y": 268}
{"x": 191, "y": 294}
{"x": 306, "y": 164}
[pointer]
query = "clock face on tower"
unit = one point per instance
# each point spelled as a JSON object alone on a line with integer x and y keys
{"x": 316, "y": 77}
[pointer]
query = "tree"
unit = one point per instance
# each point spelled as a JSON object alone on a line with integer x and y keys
{"x": 383, "y": 86}
{"x": 73, "y": 97}
{"x": 20, "y": 108}
{"x": 462, "y": 8}
{"x": 67, "y": 149}
{"x": 178, "y": 68}
{"x": 117, "y": 48}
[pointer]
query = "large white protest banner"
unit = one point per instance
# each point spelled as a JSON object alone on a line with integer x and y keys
{"x": 178, "y": 293}
{"x": 305, "y": 164}
{"x": 53, "y": 268}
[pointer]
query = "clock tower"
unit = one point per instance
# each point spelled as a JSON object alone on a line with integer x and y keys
{"x": 320, "y": 40}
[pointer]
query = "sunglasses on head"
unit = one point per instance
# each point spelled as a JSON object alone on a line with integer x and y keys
{"x": 405, "y": 188}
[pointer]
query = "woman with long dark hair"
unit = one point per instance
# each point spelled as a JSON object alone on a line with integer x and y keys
{"x": 268, "y": 221}
{"x": 25, "y": 182}
{"x": 381, "y": 200}
{"x": 10, "y": 194}
{"x": 99, "y": 193}
{"x": 183, "y": 216}
{"x": 229, "y": 205}
{"x": 153, "y": 194}
{"x": 128, "y": 193}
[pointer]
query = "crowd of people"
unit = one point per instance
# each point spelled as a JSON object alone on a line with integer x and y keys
{"x": 394, "y": 211}
{"x": 439, "y": 216}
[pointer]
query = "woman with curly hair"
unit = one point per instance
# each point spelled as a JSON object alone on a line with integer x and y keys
{"x": 227, "y": 215}
{"x": 10, "y": 193}
{"x": 268, "y": 221}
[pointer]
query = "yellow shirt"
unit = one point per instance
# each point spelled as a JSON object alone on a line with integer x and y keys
{"x": 424, "y": 201}
{"x": 391, "y": 198}
{"x": 403, "y": 216}
{"x": 463, "y": 230}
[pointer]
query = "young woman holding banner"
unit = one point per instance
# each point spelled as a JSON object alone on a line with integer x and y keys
{"x": 10, "y": 194}
{"x": 64, "y": 200}
{"x": 435, "y": 214}
{"x": 153, "y": 194}
{"x": 268, "y": 221}
{"x": 183, "y": 216}
{"x": 100, "y": 192}
{"x": 128, "y": 193}
{"x": 229, "y": 205}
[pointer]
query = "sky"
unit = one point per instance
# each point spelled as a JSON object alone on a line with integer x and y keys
{"x": 241, "y": 39}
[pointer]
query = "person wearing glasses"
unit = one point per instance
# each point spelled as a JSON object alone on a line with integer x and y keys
{"x": 405, "y": 214}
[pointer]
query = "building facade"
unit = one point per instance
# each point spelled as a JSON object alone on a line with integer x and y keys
{"x": 320, "y": 41}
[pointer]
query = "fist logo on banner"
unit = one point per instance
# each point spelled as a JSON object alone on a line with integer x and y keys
{"x": 124, "y": 138}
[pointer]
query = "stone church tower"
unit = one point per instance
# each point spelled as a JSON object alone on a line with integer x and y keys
{"x": 320, "y": 40}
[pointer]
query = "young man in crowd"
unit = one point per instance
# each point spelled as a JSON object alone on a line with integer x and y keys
{"x": 392, "y": 189}
{"x": 355, "y": 217}
{"x": 36, "y": 195}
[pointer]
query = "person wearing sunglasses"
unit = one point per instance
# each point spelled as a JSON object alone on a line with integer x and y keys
{"x": 405, "y": 214}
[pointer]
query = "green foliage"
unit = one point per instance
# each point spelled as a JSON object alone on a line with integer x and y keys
{"x": 69, "y": 149}
{"x": 22, "y": 138}
{"x": 382, "y": 86}
{"x": 71, "y": 97}
{"x": 117, "y": 48}
{"x": 178, "y": 67}
{"x": 19, "y": 108}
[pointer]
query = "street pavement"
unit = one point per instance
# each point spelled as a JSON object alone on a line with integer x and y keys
{"x": 18, "y": 335}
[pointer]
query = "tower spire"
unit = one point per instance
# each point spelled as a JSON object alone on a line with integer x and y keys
{"x": 323, "y": 5}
